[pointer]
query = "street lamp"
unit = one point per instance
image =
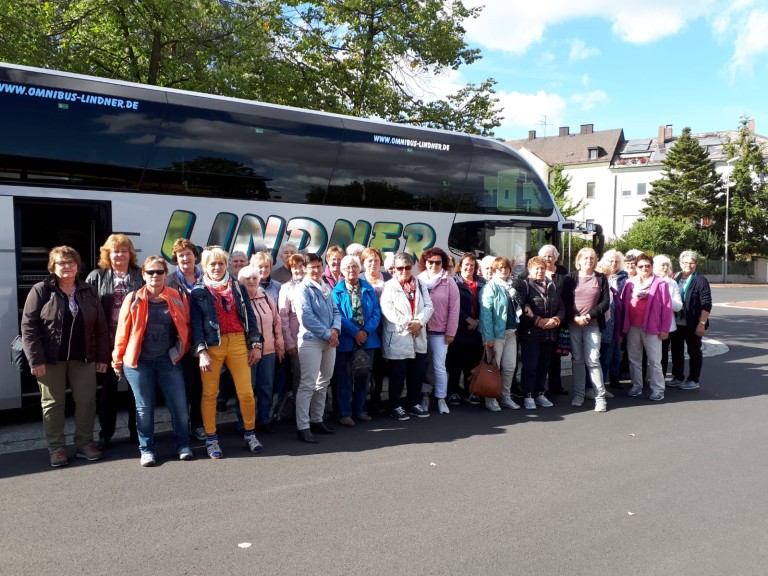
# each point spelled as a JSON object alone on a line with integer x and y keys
{"x": 729, "y": 166}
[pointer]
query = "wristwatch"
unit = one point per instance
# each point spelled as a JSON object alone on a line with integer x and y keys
{"x": 256, "y": 345}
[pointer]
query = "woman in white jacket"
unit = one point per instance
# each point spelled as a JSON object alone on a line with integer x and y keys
{"x": 406, "y": 308}
{"x": 662, "y": 267}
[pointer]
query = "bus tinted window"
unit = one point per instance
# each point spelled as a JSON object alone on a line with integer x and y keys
{"x": 74, "y": 134}
{"x": 500, "y": 182}
{"x": 237, "y": 155}
{"x": 401, "y": 169}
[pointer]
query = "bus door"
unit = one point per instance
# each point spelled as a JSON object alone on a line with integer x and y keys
{"x": 38, "y": 225}
{"x": 9, "y": 320}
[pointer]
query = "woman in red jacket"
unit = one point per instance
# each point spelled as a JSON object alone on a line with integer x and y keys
{"x": 151, "y": 339}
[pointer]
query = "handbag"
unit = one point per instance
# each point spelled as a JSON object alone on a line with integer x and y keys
{"x": 485, "y": 379}
{"x": 359, "y": 364}
{"x": 18, "y": 358}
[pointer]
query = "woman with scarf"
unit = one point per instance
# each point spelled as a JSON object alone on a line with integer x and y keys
{"x": 500, "y": 306}
{"x": 406, "y": 308}
{"x": 224, "y": 331}
{"x": 543, "y": 312}
{"x": 442, "y": 326}
{"x": 645, "y": 323}
{"x": 360, "y": 318}
{"x": 289, "y": 320}
{"x": 611, "y": 265}
{"x": 466, "y": 349}
{"x": 319, "y": 328}
{"x": 185, "y": 276}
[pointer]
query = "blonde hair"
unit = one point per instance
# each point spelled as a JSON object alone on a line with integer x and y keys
{"x": 149, "y": 260}
{"x": 583, "y": 252}
{"x": 261, "y": 258}
{"x": 112, "y": 242}
{"x": 214, "y": 254}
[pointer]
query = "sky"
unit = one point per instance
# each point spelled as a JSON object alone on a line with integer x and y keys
{"x": 614, "y": 64}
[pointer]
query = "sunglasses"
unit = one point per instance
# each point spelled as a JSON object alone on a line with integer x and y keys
{"x": 154, "y": 272}
{"x": 642, "y": 266}
{"x": 435, "y": 262}
{"x": 401, "y": 268}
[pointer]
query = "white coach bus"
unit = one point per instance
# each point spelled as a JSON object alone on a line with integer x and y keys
{"x": 83, "y": 157}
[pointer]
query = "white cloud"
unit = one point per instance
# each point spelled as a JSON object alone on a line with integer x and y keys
{"x": 587, "y": 100}
{"x": 580, "y": 50}
{"x": 751, "y": 40}
{"x": 541, "y": 111}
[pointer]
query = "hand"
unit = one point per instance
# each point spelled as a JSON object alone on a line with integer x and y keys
{"x": 528, "y": 312}
{"x": 334, "y": 339}
{"x": 414, "y": 327}
{"x": 361, "y": 337}
{"x": 280, "y": 355}
{"x": 205, "y": 362}
{"x": 101, "y": 367}
{"x": 38, "y": 371}
{"x": 118, "y": 370}
{"x": 254, "y": 355}
{"x": 488, "y": 344}
{"x": 472, "y": 324}
{"x": 700, "y": 330}
{"x": 663, "y": 335}
{"x": 293, "y": 352}
{"x": 449, "y": 340}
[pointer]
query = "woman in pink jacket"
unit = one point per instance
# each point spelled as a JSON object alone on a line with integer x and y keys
{"x": 646, "y": 322}
{"x": 443, "y": 324}
{"x": 288, "y": 318}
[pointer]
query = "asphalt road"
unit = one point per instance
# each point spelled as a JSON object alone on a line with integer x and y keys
{"x": 670, "y": 488}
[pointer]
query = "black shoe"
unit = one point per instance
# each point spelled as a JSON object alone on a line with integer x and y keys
{"x": 321, "y": 428}
{"x": 265, "y": 428}
{"x": 561, "y": 391}
{"x": 103, "y": 444}
{"x": 307, "y": 436}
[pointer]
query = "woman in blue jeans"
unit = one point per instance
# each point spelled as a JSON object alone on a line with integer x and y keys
{"x": 152, "y": 337}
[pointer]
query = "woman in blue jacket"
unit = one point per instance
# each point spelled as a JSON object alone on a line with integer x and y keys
{"x": 319, "y": 328}
{"x": 360, "y": 317}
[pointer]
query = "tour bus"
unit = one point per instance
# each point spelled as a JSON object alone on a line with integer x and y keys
{"x": 83, "y": 157}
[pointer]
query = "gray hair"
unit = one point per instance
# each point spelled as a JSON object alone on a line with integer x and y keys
{"x": 404, "y": 257}
{"x": 690, "y": 255}
{"x": 609, "y": 254}
{"x": 355, "y": 249}
{"x": 237, "y": 253}
{"x": 548, "y": 248}
{"x": 347, "y": 260}
{"x": 389, "y": 260}
{"x": 247, "y": 272}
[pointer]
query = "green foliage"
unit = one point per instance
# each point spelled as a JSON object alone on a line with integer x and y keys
{"x": 689, "y": 186}
{"x": 666, "y": 235}
{"x": 748, "y": 225}
{"x": 559, "y": 186}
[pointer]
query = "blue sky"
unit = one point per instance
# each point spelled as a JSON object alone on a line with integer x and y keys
{"x": 634, "y": 65}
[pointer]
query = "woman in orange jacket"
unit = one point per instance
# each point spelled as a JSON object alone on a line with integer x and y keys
{"x": 152, "y": 337}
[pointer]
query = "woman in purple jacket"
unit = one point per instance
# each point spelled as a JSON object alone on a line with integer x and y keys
{"x": 645, "y": 323}
{"x": 441, "y": 329}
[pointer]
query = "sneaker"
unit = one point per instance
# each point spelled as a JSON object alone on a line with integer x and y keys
{"x": 543, "y": 401}
{"x": 418, "y": 411}
{"x": 89, "y": 452}
{"x": 656, "y": 396}
{"x": 425, "y": 403}
{"x": 675, "y": 383}
{"x": 399, "y": 414}
{"x": 186, "y": 454}
{"x": 442, "y": 406}
{"x": 253, "y": 443}
{"x": 59, "y": 458}
{"x": 577, "y": 401}
{"x": 147, "y": 459}
{"x": 507, "y": 402}
{"x": 212, "y": 447}
{"x": 492, "y": 404}
{"x": 635, "y": 391}
{"x": 473, "y": 399}
{"x": 364, "y": 417}
{"x": 529, "y": 403}
{"x": 600, "y": 405}
{"x": 346, "y": 421}
{"x": 589, "y": 394}
{"x": 200, "y": 433}
{"x": 454, "y": 399}
{"x": 689, "y": 385}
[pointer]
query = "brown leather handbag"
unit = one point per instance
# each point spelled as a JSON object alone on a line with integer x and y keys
{"x": 485, "y": 380}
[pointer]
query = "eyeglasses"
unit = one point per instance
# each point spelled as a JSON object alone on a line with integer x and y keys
{"x": 642, "y": 265}
{"x": 154, "y": 272}
{"x": 435, "y": 262}
{"x": 401, "y": 268}
{"x": 348, "y": 268}
{"x": 66, "y": 263}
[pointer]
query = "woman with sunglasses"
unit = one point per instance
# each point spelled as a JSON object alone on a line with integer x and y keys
{"x": 151, "y": 339}
{"x": 645, "y": 324}
{"x": 406, "y": 309}
{"x": 224, "y": 331}
{"x": 442, "y": 326}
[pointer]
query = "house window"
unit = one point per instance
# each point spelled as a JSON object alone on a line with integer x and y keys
{"x": 593, "y": 153}
{"x": 641, "y": 189}
{"x": 590, "y": 189}
{"x": 626, "y": 192}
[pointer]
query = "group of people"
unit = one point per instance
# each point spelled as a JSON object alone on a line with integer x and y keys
{"x": 344, "y": 323}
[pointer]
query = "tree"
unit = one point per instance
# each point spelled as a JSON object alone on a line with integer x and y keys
{"x": 666, "y": 235}
{"x": 559, "y": 185}
{"x": 748, "y": 226}
{"x": 688, "y": 188}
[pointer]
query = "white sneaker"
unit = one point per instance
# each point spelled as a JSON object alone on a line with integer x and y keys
{"x": 425, "y": 403}
{"x": 600, "y": 405}
{"x": 442, "y": 406}
{"x": 186, "y": 454}
{"x": 507, "y": 402}
{"x": 529, "y": 403}
{"x": 543, "y": 401}
{"x": 492, "y": 404}
{"x": 147, "y": 459}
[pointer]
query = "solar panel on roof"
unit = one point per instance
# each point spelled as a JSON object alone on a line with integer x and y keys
{"x": 638, "y": 145}
{"x": 711, "y": 141}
